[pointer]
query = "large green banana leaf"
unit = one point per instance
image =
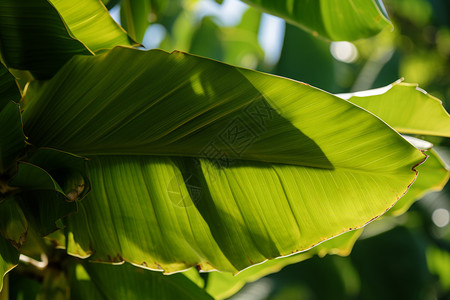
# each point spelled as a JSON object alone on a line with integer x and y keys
{"x": 332, "y": 19}
{"x": 194, "y": 162}
{"x": 405, "y": 107}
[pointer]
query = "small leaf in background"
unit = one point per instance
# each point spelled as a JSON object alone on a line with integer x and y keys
{"x": 335, "y": 20}
{"x": 207, "y": 40}
{"x": 90, "y": 22}
{"x": 241, "y": 41}
{"x": 135, "y": 17}
{"x": 405, "y": 107}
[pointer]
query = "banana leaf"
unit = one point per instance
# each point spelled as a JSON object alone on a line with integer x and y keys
{"x": 195, "y": 162}
{"x": 405, "y": 107}
{"x": 334, "y": 20}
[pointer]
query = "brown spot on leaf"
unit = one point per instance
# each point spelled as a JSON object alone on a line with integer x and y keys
{"x": 115, "y": 259}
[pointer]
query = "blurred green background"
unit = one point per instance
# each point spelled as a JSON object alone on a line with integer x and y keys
{"x": 406, "y": 257}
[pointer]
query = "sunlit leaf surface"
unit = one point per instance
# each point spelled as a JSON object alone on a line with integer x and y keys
{"x": 90, "y": 22}
{"x": 194, "y": 162}
{"x": 407, "y": 108}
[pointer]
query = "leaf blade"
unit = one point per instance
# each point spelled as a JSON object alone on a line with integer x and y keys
{"x": 407, "y": 108}
{"x": 35, "y": 38}
{"x": 433, "y": 175}
{"x": 314, "y": 146}
{"x": 90, "y": 22}
{"x": 175, "y": 225}
{"x": 334, "y": 20}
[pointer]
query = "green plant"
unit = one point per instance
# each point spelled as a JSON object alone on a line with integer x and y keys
{"x": 169, "y": 161}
